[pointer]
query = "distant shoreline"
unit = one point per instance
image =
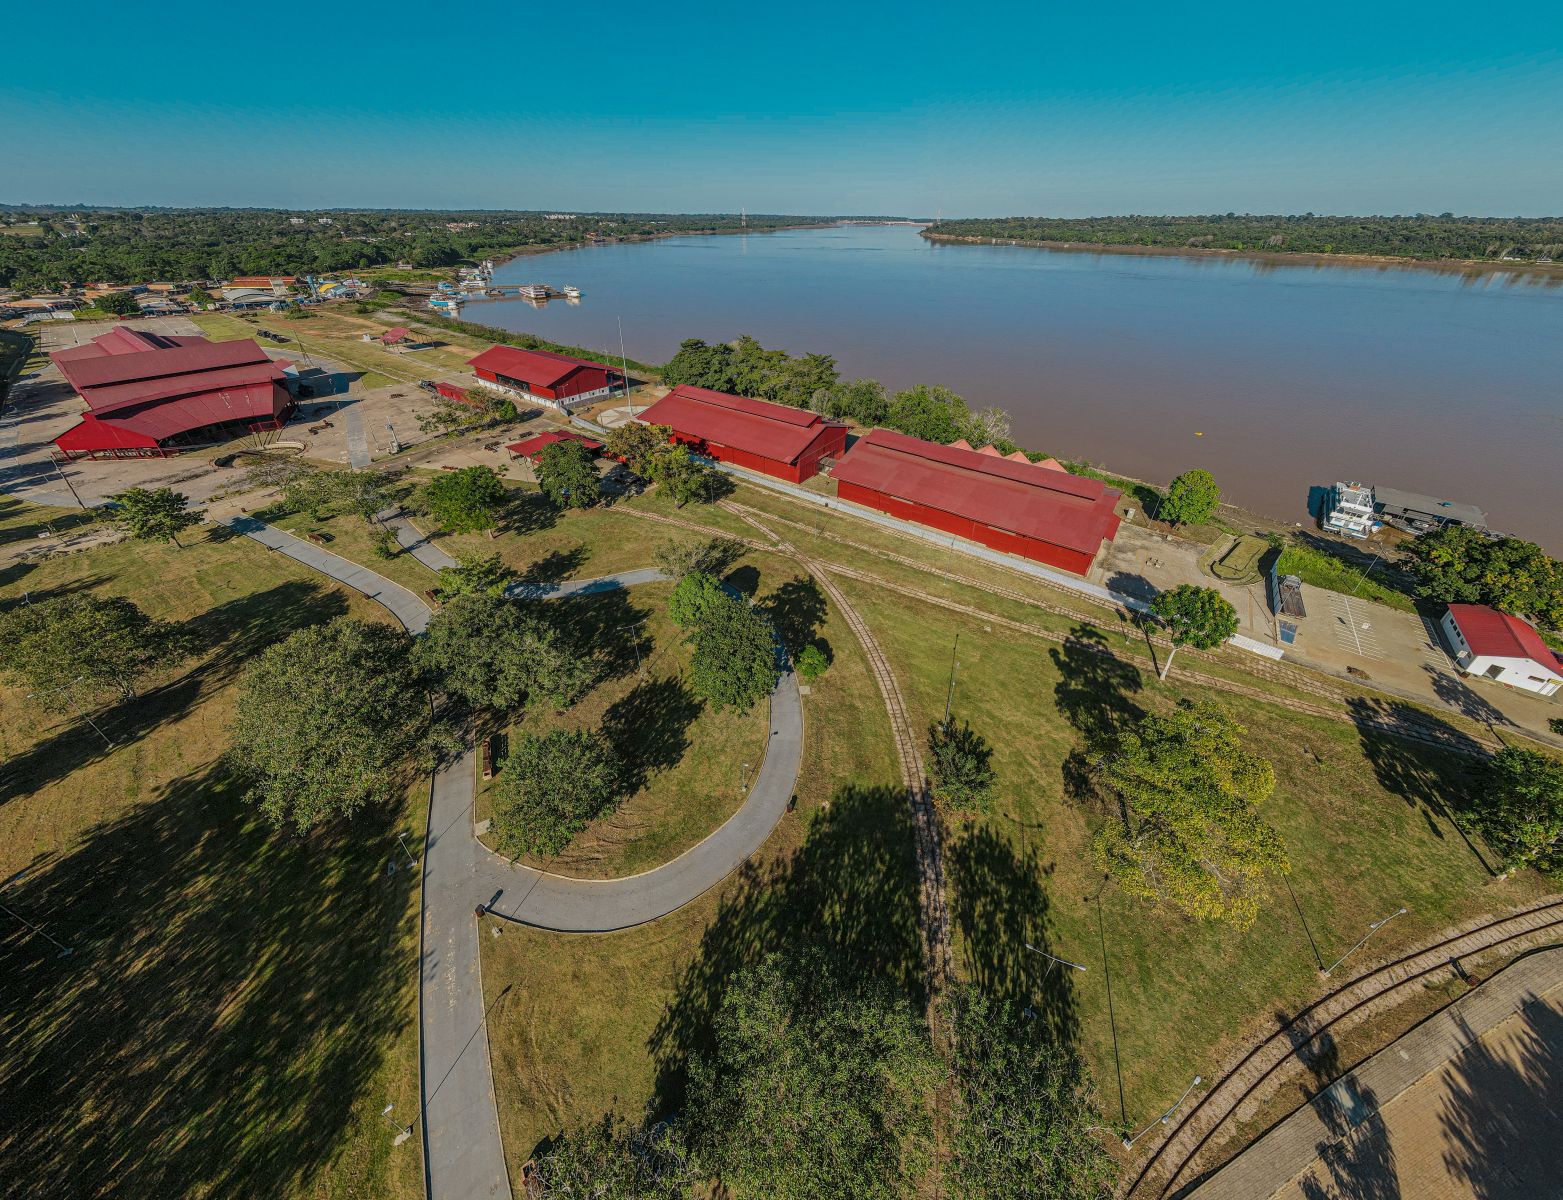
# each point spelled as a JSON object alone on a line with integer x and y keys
{"x": 528, "y": 251}
{"x": 1455, "y": 266}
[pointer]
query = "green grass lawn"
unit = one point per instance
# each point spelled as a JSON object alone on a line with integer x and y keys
{"x": 1333, "y": 572}
{"x": 241, "y": 1003}
{"x": 1363, "y": 818}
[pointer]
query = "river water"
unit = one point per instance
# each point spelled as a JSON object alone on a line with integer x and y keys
{"x": 1273, "y": 376}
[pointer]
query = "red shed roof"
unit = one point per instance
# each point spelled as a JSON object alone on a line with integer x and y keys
{"x": 775, "y": 431}
{"x": 394, "y": 334}
{"x": 1051, "y": 506}
{"x": 1494, "y": 634}
{"x": 527, "y": 447}
{"x": 540, "y": 367}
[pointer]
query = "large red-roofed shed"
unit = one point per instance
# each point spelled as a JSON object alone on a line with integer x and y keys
{"x": 555, "y": 379}
{"x": 1049, "y": 516}
{"x": 774, "y": 439}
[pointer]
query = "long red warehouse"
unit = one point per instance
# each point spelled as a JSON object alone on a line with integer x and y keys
{"x": 545, "y": 377}
{"x": 773, "y": 439}
{"x": 1020, "y": 508}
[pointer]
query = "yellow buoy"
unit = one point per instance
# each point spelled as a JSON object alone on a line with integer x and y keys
{"x": 1198, "y": 434}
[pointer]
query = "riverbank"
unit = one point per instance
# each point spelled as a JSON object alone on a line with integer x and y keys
{"x": 1550, "y": 272}
{"x": 629, "y": 239}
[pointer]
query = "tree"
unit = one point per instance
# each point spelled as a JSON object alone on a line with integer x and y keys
{"x": 1521, "y": 812}
{"x": 325, "y": 717}
{"x": 961, "y": 765}
{"x": 550, "y": 787}
{"x": 121, "y": 304}
{"x": 635, "y": 443}
{"x": 1192, "y": 498}
{"x": 713, "y": 557}
{"x": 1458, "y": 564}
{"x": 812, "y": 662}
{"x": 465, "y": 501}
{"x": 695, "y": 595}
{"x": 932, "y": 413}
{"x": 1024, "y": 1122}
{"x": 611, "y": 1160}
{"x": 200, "y": 296}
{"x": 323, "y": 494}
{"x": 675, "y": 470}
{"x": 1195, "y": 616}
{"x": 1185, "y": 827}
{"x": 75, "y": 650}
{"x": 735, "y": 654}
{"x": 155, "y": 515}
{"x": 701, "y": 365}
{"x": 813, "y": 1086}
{"x": 492, "y": 654}
{"x": 476, "y": 574}
{"x": 568, "y": 476}
{"x": 1556, "y": 725}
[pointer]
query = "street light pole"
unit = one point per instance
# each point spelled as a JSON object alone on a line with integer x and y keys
{"x": 402, "y": 838}
{"x": 949, "y": 695}
{"x": 1372, "y": 929}
{"x": 1128, "y": 1143}
{"x": 403, "y": 1132}
{"x": 39, "y": 930}
{"x": 1054, "y": 958}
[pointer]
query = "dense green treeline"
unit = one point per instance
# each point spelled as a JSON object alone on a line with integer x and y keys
{"x": 1446, "y": 236}
{"x": 141, "y": 245}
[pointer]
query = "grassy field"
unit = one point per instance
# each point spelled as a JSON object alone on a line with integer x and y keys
{"x": 593, "y": 1023}
{"x": 1321, "y": 568}
{"x": 240, "y": 1003}
{"x": 1365, "y": 822}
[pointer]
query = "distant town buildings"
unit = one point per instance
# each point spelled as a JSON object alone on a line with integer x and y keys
{"x": 774, "y": 439}
{"x": 1498, "y": 646}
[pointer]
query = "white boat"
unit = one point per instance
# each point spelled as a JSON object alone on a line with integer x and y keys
{"x": 534, "y": 291}
{"x": 571, "y": 291}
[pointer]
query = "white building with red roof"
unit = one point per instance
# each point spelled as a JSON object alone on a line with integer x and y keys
{"x": 1495, "y": 645}
{"x": 543, "y": 377}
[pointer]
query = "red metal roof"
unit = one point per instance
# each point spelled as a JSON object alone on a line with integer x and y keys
{"x": 1493, "y": 634}
{"x": 153, "y": 424}
{"x": 540, "y": 367}
{"x": 111, "y": 362}
{"x": 527, "y": 447}
{"x": 775, "y": 431}
{"x": 451, "y": 391}
{"x": 394, "y": 334}
{"x": 1064, "y": 510}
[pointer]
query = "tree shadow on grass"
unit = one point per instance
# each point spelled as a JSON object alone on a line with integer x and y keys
{"x": 554, "y": 567}
{"x": 604, "y": 629}
{"x": 530, "y": 512}
{"x": 650, "y": 728}
{"x": 1464, "y": 699}
{"x": 850, "y": 892}
{"x": 230, "y": 995}
{"x": 15, "y": 576}
{"x": 1093, "y": 694}
{"x": 1001, "y": 907}
{"x": 797, "y": 610}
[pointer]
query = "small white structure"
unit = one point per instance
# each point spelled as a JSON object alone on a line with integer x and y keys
{"x": 1494, "y": 645}
{"x": 1350, "y": 510}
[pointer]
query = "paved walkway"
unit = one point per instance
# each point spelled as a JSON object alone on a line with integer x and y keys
{"x": 1342, "y": 1125}
{"x": 357, "y": 442}
{"x": 463, "y": 1156}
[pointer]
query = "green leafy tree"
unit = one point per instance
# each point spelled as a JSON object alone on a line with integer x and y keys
{"x": 933, "y": 413}
{"x": 324, "y": 494}
{"x": 1521, "y": 810}
{"x": 568, "y": 476}
{"x": 201, "y": 297}
{"x": 476, "y": 574}
{"x": 1194, "y": 616}
{"x": 551, "y": 787}
{"x": 1184, "y": 825}
{"x": 1458, "y": 564}
{"x": 735, "y": 654}
{"x": 121, "y": 304}
{"x": 74, "y": 651}
{"x": 1556, "y": 725}
{"x": 612, "y": 1160}
{"x": 812, "y": 1088}
{"x": 1192, "y": 498}
{"x": 675, "y": 470}
{"x": 812, "y": 662}
{"x": 713, "y": 557}
{"x": 153, "y": 515}
{"x": 635, "y": 443}
{"x": 694, "y": 596}
{"x": 1025, "y": 1123}
{"x": 492, "y": 654}
{"x": 325, "y": 717}
{"x": 465, "y": 501}
{"x": 961, "y": 765}
{"x": 701, "y": 365}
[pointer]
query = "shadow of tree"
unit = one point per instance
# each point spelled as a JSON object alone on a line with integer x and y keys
{"x": 796, "y": 609}
{"x": 1094, "y": 686}
{"x": 1357, "y": 1162}
{"x": 14, "y": 575}
{"x": 1130, "y": 584}
{"x": 553, "y": 567}
{"x": 230, "y": 995}
{"x": 1461, "y": 697}
{"x": 650, "y": 728}
{"x": 1499, "y": 1115}
{"x": 530, "y": 512}
{"x": 850, "y": 892}
{"x": 601, "y": 628}
{"x": 1001, "y": 907}
{"x": 743, "y": 580}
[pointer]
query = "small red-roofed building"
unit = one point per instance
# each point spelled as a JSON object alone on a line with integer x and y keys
{"x": 1495, "y": 645}
{"x": 773, "y": 439}
{"x": 531, "y": 447}
{"x": 395, "y": 336}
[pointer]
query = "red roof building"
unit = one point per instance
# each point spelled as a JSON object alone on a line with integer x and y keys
{"x": 533, "y": 446}
{"x": 147, "y": 394}
{"x": 544, "y": 377}
{"x": 1503, "y": 648}
{"x": 773, "y": 439}
{"x": 394, "y": 336}
{"x": 1020, "y": 508}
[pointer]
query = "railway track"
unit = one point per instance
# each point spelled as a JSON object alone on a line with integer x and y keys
{"x": 1256, "y": 1072}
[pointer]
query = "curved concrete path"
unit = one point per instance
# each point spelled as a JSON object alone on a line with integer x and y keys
{"x": 463, "y": 1155}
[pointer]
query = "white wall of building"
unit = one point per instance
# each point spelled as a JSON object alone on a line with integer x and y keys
{"x": 1524, "y": 673}
{"x": 568, "y": 403}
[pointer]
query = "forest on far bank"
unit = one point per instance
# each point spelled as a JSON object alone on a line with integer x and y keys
{"x": 1442, "y": 237}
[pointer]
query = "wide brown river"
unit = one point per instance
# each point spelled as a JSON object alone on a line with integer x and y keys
{"x": 1275, "y": 377}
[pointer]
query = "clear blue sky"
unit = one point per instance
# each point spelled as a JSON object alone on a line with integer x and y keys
{"x": 960, "y": 108}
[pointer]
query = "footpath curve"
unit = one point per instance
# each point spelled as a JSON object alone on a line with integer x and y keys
{"x": 463, "y": 1155}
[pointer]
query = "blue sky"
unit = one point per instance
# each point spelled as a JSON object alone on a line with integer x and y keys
{"x": 965, "y": 109}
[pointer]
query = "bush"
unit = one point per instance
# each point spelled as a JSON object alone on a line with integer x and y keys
{"x": 551, "y": 787}
{"x": 961, "y": 764}
{"x": 812, "y": 662}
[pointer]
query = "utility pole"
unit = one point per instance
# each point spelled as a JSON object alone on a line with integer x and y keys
{"x": 624, "y": 367}
{"x": 1372, "y": 929}
{"x": 65, "y": 950}
{"x": 949, "y": 695}
{"x": 54, "y": 462}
